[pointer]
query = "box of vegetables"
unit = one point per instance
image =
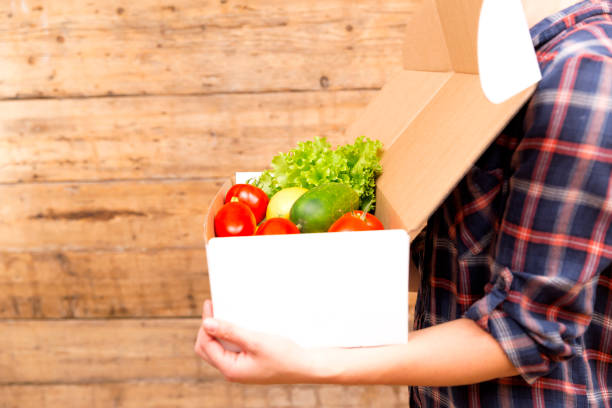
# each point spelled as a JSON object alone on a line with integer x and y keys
{"x": 462, "y": 80}
{"x": 296, "y": 250}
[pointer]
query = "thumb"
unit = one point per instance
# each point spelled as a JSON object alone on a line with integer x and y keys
{"x": 229, "y": 332}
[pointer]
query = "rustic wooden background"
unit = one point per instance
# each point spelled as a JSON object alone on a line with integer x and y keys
{"x": 118, "y": 121}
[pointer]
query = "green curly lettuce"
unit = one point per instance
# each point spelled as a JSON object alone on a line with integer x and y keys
{"x": 313, "y": 163}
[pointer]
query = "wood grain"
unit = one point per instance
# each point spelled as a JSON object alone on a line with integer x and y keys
{"x": 103, "y": 249}
{"x": 106, "y": 216}
{"x": 84, "y": 351}
{"x": 103, "y": 197}
{"x": 164, "y": 137}
{"x": 101, "y": 284}
{"x": 100, "y": 351}
{"x": 77, "y": 48}
{"x": 214, "y": 394}
{"x": 68, "y": 284}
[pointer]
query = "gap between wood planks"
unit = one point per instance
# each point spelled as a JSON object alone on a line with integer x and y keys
{"x": 101, "y": 249}
{"x": 412, "y": 295}
{"x": 171, "y": 380}
{"x": 97, "y": 318}
{"x": 188, "y": 94}
{"x": 118, "y": 181}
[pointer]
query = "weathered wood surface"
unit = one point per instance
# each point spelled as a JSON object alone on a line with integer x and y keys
{"x": 100, "y": 351}
{"x": 164, "y": 137}
{"x": 108, "y": 249}
{"x": 103, "y": 198}
{"x": 100, "y": 284}
{"x": 69, "y": 284}
{"x": 78, "y": 48}
{"x": 106, "y": 216}
{"x": 201, "y": 395}
{"x": 81, "y": 351}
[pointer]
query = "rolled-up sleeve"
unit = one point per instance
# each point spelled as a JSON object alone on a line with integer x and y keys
{"x": 555, "y": 236}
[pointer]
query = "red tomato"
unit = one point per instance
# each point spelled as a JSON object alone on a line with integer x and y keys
{"x": 373, "y": 222}
{"x": 356, "y": 221}
{"x": 277, "y": 226}
{"x": 234, "y": 219}
{"x": 254, "y": 197}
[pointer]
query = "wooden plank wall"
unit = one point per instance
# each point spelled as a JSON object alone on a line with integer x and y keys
{"x": 118, "y": 121}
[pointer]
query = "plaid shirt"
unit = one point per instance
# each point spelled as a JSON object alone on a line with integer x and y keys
{"x": 523, "y": 245}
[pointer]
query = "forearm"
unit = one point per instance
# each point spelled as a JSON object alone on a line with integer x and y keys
{"x": 453, "y": 353}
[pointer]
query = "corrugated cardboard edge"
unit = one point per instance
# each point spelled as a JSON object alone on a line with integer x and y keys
{"x": 437, "y": 148}
{"x": 434, "y": 125}
{"x": 213, "y": 208}
{"x": 434, "y": 118}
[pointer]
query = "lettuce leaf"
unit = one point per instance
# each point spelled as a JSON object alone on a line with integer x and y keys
{"x": 313, "y": 163}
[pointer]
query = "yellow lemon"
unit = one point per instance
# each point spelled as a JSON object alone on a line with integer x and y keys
{"x": 280, "y": 204}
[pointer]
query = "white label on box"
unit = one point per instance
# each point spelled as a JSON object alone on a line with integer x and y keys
{"x": 507, "y": 62}
{"x": 243, "y": 176}
{"x": 320, "y": 290}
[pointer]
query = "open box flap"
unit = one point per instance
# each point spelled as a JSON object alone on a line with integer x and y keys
{"x": 436, "y": 149}
{"x": 397, "y": 104}
{"x": 489, "y": 38}
{"x": 470, "y": 66}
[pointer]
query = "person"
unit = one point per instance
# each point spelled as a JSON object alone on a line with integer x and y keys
{"x": 515, "y": 302}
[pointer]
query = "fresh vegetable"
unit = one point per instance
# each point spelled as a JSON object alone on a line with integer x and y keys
{"x": 253, "y": 196}
{"x": 277, "y": 226}
{"x": 281, "y": 202}
{"x": 356, "y": 221}
{"x": 314, "y": 163}
{"x": 321, "y": 206}
{"x": 234, "y": 219}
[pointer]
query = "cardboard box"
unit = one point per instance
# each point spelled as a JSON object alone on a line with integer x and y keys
{"x": 469, "y": 65}
{"x": 317, "y": 289}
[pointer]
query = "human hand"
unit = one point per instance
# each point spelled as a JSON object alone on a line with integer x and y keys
{"x": 262, "y": 359}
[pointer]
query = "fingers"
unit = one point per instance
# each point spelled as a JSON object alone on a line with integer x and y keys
{"x": 245, "y": 339}
{"x": 208, "y": 308}
{"x": 212, "y": 334}
{"x": 213, "y": 352}
{"x": 212, "y": 309}
{"x": 204, "y": 338}
{"x": 199, "y": 347}
{"x": 223, "y": 330}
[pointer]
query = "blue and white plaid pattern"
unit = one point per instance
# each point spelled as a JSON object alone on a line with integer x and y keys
{"x": 523, "y": 245}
